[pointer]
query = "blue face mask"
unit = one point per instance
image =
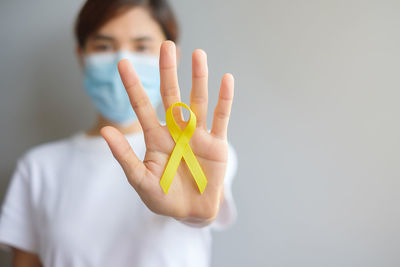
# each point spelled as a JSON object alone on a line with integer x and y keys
{"x": 104, "y": 86}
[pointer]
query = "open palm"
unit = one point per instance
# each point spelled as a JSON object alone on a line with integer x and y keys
{"x": 183, "y": 201}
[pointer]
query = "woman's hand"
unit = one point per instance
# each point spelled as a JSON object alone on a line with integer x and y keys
{"x": 183, "y": 201}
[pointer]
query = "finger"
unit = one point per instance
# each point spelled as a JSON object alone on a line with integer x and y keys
{"x": 134, "y": 169}
{"x": 223, "y": 109}
{"x": 199, "y": 93}
{"x": 170, "y": 92}
{"x": 137, "y": 95}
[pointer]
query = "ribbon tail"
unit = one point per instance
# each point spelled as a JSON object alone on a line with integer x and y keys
{"x": 195, "y": 168}
{"x": 171, "y": 168}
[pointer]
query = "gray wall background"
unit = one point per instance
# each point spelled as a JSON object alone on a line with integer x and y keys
{"x": 315, "y": 120}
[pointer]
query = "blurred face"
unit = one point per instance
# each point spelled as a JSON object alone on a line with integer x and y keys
{"x": 134, "y": 30}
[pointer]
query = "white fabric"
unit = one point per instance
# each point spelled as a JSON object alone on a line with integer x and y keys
{"x": 70, "y": 203}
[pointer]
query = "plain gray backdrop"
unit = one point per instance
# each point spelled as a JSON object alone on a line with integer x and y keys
{"x": 315, "y": 120}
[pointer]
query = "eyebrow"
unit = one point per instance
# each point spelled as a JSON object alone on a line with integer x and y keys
{"x": 142, "y": 38}
{"x": 103, "y": 37}
{"x": 110, "y": 38}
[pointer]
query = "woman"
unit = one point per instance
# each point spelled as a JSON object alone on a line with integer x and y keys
{"x": 69, "y": 204}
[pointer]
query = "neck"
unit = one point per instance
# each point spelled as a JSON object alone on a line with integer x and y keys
{"x": 124, "y": 129}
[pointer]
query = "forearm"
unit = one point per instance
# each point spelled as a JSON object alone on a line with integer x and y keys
{"x": 25, "y": 259}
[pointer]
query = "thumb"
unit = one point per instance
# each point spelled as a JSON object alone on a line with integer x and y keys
{"x": 121, "y": 149}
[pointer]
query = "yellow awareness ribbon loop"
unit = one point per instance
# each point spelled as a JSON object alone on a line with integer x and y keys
{"x": 182, "y": 149}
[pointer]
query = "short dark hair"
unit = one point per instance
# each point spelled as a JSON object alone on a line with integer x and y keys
{"x": 95, "y": 13}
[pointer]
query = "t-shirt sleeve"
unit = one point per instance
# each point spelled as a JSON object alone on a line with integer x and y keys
{"x": 227, "y": 213}
{"x": 16, "y": 217}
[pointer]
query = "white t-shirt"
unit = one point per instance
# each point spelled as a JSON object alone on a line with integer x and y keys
{"x": 70, "y": 203}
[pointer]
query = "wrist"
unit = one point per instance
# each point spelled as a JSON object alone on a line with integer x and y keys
{"x": 196, "y": 222}
{"x": 202, "y": 222}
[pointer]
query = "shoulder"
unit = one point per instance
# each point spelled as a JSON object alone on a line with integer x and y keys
{"x": 232, "y": 164}
{"x": 46, "y": 153}
{"x": 232, "y": 157}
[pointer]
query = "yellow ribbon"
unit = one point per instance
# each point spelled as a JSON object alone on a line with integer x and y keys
{"x": 182, "y": 149}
